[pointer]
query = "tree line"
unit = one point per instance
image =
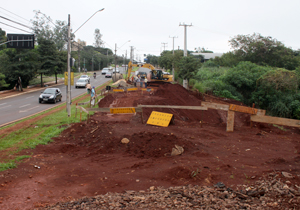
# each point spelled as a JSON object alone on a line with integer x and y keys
{"x": 259, "y": 70}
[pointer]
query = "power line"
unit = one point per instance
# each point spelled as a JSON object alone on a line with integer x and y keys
{"x": 15, "y": 22}
{"x": 14, "y": 14}
{"x": 15, "y": 27}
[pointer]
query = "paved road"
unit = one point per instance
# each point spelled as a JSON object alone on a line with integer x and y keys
{"x": 24, "y": 105}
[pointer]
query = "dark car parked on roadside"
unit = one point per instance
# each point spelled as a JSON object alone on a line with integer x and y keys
{"x": 50, "y": 95}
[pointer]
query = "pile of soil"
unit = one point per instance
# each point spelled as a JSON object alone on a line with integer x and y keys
{"x": 89, "y": 159}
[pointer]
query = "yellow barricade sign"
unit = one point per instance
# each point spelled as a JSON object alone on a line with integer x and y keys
{"x": 132, "y": 89}
{"x": 160, "y": 119}
{"x": 66, "y": 78}
{"x": 118, "y": 90}
{"x": 122, "y": 110}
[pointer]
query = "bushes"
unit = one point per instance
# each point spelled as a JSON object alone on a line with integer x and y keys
{"x": 273, "y": 89}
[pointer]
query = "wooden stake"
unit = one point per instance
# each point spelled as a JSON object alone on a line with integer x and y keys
{"x": 230, "y": 121}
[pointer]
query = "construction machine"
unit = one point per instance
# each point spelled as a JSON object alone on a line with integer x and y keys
{"x": 157, "y": 74}
{"x": 154, "y": 75}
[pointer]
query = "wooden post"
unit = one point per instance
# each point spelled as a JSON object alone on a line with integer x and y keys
{"x": 142, "y": 117}
{"x": 251, "y": 123}
{"x": 201, "y": 122}
{"x": 76, "y": 110}
{"x": 230, "y": 121}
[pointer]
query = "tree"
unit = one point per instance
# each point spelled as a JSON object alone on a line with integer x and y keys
{"x": 243, "y": 77}
{"x": 2, "y": 82}
{"x": 98, "y": 36}
{"x": 263, "y": 51}
{"x": 188, "y": 67}
{"x": 17, "y": 63}
{"x": 2, "y": 39}
{"x": 48, "y": 58}
{"x": 43, "y": 29}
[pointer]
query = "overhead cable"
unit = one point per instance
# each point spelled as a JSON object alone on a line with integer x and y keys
{"x": 15, "y": 22}
{"x": 14, "y": 14}
{"x": 15, "y": 27}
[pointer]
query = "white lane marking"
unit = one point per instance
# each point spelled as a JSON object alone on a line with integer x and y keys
{"x": 29, "y": 97}
{"x": 5, "y": 106}
{"x": 28, "y": 109}
{"x": 24, "y": 105}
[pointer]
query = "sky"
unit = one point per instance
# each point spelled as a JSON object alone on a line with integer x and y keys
{"x": 149, "y": 24}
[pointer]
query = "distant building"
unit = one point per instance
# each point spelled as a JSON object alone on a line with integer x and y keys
{"x": 208, "y": 56}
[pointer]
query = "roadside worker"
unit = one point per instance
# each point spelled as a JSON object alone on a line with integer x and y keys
{"x": 141, "y": 84}
{"x": 137, "y": 80}
{"x": 145, "y": 82}
{"x": 93, "y": 93}
{"x": 88, "y": 88}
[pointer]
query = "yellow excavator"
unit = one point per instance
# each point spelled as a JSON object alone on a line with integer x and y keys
{"x": 155, "y": 74}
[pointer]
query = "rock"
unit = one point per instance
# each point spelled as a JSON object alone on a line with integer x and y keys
{"x": 152, "y": 188}
{"x": 125, "y": 141}
{"x": 287, "y": 175}
{"x": 178, "y": 150}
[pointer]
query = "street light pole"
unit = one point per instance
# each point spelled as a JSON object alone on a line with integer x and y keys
{"x": 68, "y": 62}
{"x": 69, "y": 69}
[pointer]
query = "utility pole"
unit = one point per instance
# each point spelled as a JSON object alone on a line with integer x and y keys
{"x": 69, "y": 69}
{"x": 173, "y": 73}
{"x": 93, "y": 63}
{"x": 185, "y": 38}
{"x": 164, "y": 43}
{"x": 115, "y": 62}
{"x": 185, "y": 85}
{"x": 131, "y": 54}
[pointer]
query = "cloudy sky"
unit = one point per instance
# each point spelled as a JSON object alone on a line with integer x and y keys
{"x": 149, "y": 23}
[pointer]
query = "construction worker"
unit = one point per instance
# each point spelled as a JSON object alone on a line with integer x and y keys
{"x": 145, "y": 82}
{"x": 93, "y": 92}
{"x": 137, "y": 80}
{"x": 88, "y": 88}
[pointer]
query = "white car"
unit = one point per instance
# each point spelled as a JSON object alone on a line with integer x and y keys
{"x": 81, "y": 83}
{"x": 105, "y": 70}
{"x": 85, "y": 77}
{"x": 116, "y": 70}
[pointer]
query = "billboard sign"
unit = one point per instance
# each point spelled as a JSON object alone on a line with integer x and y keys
{"x": 21, "y": 41}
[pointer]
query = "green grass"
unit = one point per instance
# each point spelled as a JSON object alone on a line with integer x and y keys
{"x": 40, "y": 132}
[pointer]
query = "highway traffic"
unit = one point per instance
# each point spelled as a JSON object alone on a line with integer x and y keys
{"x": 24, "y": 105}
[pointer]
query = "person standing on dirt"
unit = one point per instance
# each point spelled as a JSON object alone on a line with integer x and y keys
{"x": 145, "y": 82}
{"x": 141, "y": 83}
{"x": 93, "y": 93}
{"x": 88, "y": 88}
{"x": 137, "y": 80}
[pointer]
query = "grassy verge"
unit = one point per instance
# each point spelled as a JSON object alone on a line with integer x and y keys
{"x": 40, "y": 132}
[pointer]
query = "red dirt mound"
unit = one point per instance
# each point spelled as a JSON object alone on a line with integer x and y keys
{"x": 88, "y": 158}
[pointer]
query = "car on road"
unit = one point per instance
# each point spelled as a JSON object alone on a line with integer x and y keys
{"x": 81, "y": 83}
{"x": 105, "y": 71}
{"x": 107, "y": 75}
{"x": 50, "y": 95}
{"x": 116, "y": 70}
{"x": 85, "y": 77}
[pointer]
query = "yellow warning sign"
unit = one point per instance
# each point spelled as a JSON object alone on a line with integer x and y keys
{"x": 160, "y": 119}
{"x": 66, "y": 78}
{"x": 122, "y": 110}
{"x": 132, "y": 89}
{"x": 118, "y": 90}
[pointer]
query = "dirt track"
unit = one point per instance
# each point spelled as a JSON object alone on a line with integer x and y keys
{"x": 89, "y": 159}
